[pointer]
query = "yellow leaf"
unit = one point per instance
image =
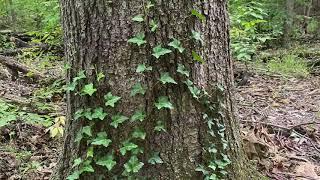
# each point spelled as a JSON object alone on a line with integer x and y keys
{"x": 60, "y": 129}
{"x": 60, "y": 120}
{"x": 54, "y": 132}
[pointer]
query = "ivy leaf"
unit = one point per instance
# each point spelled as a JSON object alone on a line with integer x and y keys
{"x": 177, "y": 45}
{"x": 80, "y": 76}
{"x": 153, "y": 26}
{"x": 111, "y": 100}
{"x": 138, "y": 18}
{"x": 138, "y": 39}
{"x": 87, "y": 131}
{"x": 193, "y": 89}
{"x": 79, "y": 136}
{"x": 75, "y": 175}
{"x": 89, "y": 154}
{"x": 202, "y": 169}
{"x": 107, "y": 161}
{"x": 197, "y": 57}
{"x": 71, "y": 86}
{"x": 182, "y": 70}
{"x": 139, "y": 133}
{"x": 149, "y": 5}
{"x": 127, "y": 146}
{"x": 138, "y": 115}
{"x": 100, "y": 76}
{"x": 138, "y": 89}
{"x": 88, "y": 114}
{"x": 198, "y": 15}
{"x": 160, "y": 126}
{"x": 155, "y": 159}
{"x": 77, "y": 162}
{"x": 78, "y": 114}
{"x": 101, "y": 140}
{"x": 142, "y": 68}
{"x": 133, "y": 165}
{"x": 118, "y": 119}
{"x": 163, "y": 102}
{"x": 99, "y": 114}
{"x": 166, "y": 78}
{"x": 160, "y": 51}
{"x": 89, "y": 89}
{"x": 197, "y": 36}
{"x": 87, "y": 168}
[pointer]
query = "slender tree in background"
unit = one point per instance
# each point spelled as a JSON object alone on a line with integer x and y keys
{"x": 150, "y": 91}
{"x": 288, "y": 25}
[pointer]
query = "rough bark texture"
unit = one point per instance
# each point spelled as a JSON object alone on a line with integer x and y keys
{"x": 96, "y": 34}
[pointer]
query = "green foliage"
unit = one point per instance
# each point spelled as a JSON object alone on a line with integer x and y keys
{"x": 159, "y": 51}
{"x": 289, "y": 65}
{"x": 163, "y": 103}
{"x": 253, "y": 25}
{"x": 138, "y": 39}
{"x": 129, "y": 148}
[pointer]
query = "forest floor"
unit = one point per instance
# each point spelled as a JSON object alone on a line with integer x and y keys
{"x": 280, "y": 120}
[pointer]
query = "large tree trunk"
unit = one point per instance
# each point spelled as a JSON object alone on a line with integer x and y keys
{"x": 96, "y": 34}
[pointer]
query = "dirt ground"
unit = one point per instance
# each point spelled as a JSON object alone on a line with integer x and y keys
{"x": 280, "y": 120}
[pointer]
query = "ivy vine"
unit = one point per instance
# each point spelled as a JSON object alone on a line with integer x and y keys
{"x": 217, "y": 160}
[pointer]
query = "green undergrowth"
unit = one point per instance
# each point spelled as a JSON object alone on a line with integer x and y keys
{"x": 10, "y": 113}
{"x": 288, "y": 66}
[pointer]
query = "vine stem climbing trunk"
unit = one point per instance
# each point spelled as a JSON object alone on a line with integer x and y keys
{"x": 188, "y": 129}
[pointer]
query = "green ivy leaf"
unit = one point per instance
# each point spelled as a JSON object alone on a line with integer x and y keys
{"x": 89, "y": 89}
{"x": 177, "y": 45}
{"x": 160, "y": 126}
{"x": 79, "y": 76}
{"x": 142, "y": 68}
{"x": 138, "y": 39}
{"x": 153, "y": 26}
{"x": 198, "y": 15}
{"x": 194, "y": 91}
{"x": 107, "y": 161}
{"x": 87, "y": 131}
{"x": 202, "y": 169}
{"x": 71, "y": 86}
{"x": 139, "y": 133}
{"x": 166, "y": 78}
{"x": 163, "y": 102}
{"x": 77, "y": 162}
{"x": 79, "y": 136}
{"x": 101, "y": 140}
{"x": 78, "y": 114}
{"x": 138, "y": 115}
{"x": 127, "y": 146}
{"x": 138, "y": 18}
{"x": 138, "y": 89}
{"x": 182, "y": 70}
{"x": 87, "y": 168}
{"x": 149, "y": 5}
{"x": 89, "y": 154}
{"x": 100, "y": 76}
{"x": 74, "y": 176}
{"x": 111, "y": 100}
{"x": 155, "y": 159}
{"x": 160, "y": 51}
{"x": 88, "y": 114}
{"x": 118, "y": 119}
{"x": 99, "y": 114}
{"x": 197, "y": 57}
{"x": 133, "y": 165}
{"x": 197, "y": 36}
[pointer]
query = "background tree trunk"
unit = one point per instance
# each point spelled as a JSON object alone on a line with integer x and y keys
{"x": 96, "y": 34}
{"x": 288, "y": 25}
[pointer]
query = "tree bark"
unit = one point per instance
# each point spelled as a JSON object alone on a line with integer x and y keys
{"x": 96, "y": 34}
{"x": 288, "y": 25}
